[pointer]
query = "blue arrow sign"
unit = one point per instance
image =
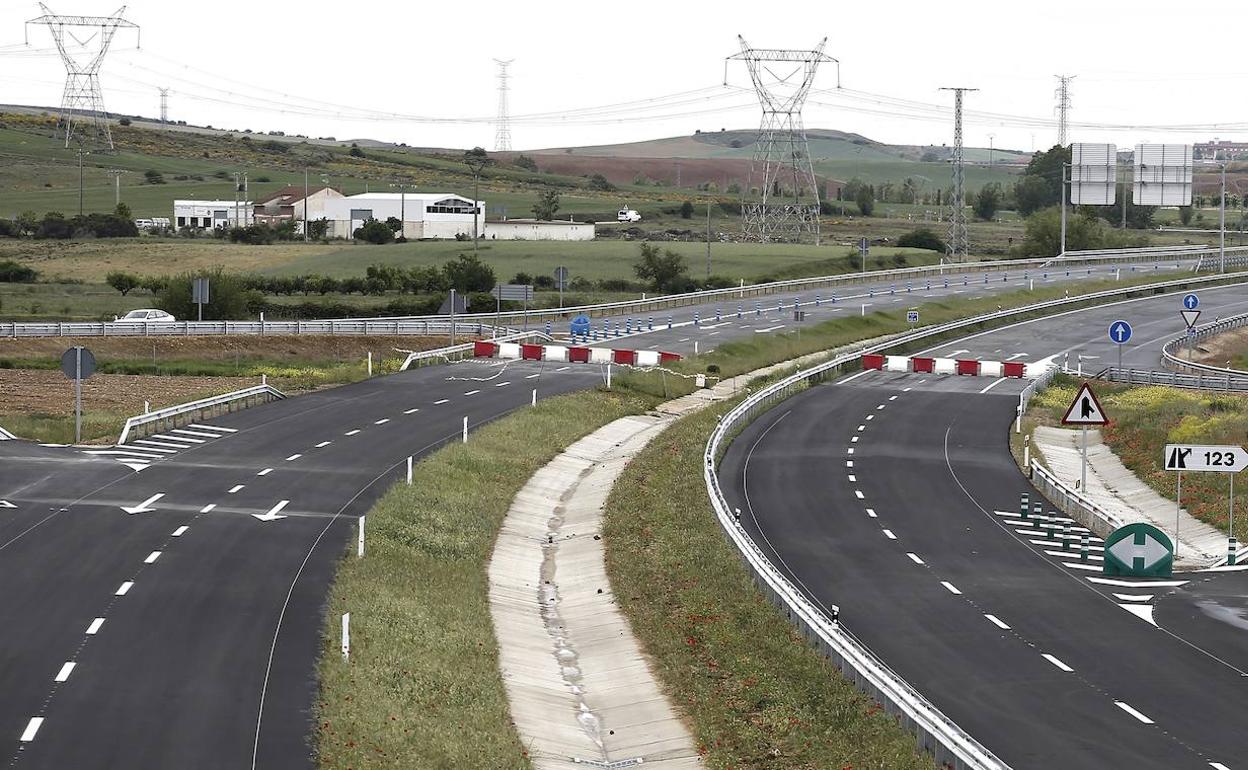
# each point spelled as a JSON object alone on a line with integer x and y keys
{"x": 1191, "y": 301}
{"x": 1119, "y": 332}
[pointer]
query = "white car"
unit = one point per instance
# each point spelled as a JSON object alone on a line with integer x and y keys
{"x": 145, "y": 315}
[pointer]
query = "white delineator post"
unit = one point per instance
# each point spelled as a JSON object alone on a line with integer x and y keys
{"x": 359, "y": 550}
{"x": 465, "y": 430}
{"x": 370, "y": 363}
{"x": 534, "y": 403}
{"x": 409, "y": 470}
{"x": 346, "y": 636}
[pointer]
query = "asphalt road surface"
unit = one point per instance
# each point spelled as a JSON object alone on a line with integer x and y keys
{"x": 895, "y": 497}
{"x": 185, "y": 634}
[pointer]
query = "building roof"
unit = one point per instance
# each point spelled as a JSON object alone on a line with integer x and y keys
{"x": 211, "y": 204}
{"x": 428, "y": 197}
{"x": 290, "y": 194}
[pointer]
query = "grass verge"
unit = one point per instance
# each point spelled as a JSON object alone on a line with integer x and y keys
{"x": 422, "y": 689}
{"x": 757, "y": 694}
{"x": 1143, "y": 419}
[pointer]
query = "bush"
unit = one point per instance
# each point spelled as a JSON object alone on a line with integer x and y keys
{"x": 356, "y": 152}
{"x": 54, "y": 225}
{"x": 600, "y": 183}
{"x": 152, "y": 176}
{"x": 231, "y": 298}
{"x": 468, "y": 274}
{"x": 525, "y": 162}
{"x": 256, "y": 235}
{"x": 686, "y": 210}
{"x": 12, "y": 272}
{"x": 9, "y": 229}
{"x": 922, "y": 238}
{"x": 374, "y": 232}
{"x": 123, "y": 122}
{"x": 122, "y": 282}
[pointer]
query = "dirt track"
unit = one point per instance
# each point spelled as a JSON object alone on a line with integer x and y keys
{"x": 24, "y": 391}
{"x": 274, "y": 348}
{"x": 1223, "y": 349}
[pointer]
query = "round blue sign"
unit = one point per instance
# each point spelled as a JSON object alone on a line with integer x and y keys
{"x": 580, "y": 326}
{"x": 1191, "y": 301}
{"x": 1119, "y": 332}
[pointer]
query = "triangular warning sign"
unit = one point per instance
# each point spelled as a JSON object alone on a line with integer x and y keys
{"x": 1189, "y": 317}
{"x": 1085, "y": 409}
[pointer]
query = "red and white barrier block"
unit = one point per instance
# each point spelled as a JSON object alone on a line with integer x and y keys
{"x": 570, "y": 353}
{"x": 959, "y": 366}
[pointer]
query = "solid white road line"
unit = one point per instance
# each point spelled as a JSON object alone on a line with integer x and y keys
{"x": 1133, "y": 712}
{"x": 152, "y": 557}
{"x": 323, "y": 444}
{"x": 196, "y": 433}
{"x": 382, "y": 421}
{"x": 236, "y": 487}
{"x": 352, "y": 432}
{"x": 95, "y": 626}
{"x": 1056, "y": 662}
{"x": 889, "y": 534}
{"x": 858, "y": 494}
{"x": 996, "y": 621}
{"x": 952, "y": 588}
{"x": 180, "y": 531}
{"x": 32, "y": 727}
{"x": 992, "y": 385}
{"x": 184, "y": 439}
{"x": 914, "y": 557}
{"x": 443, "y": 401}
{"x": 265, "y": 472}
{"x": 124, "y": 588}
{"x": 200, "y": 426}
{"x": 1077, "y": 565}
{"x": 208, "y": 508}
{"x": 854, "y": 376}
{"x": 472, "y": 393}
{"x": 293, "y": 457}
{"x": 1138, "y": 583}
{"x": 65, "y": 671}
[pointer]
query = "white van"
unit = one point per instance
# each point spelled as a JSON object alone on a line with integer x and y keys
{"x": 627, "y": 215}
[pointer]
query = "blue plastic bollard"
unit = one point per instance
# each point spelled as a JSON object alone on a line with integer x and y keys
{"x": 738, "y": 310}
{"x": 695, "y": 319}
{"x": 718, "y": 315}
{"x": 650, "y": 322}
{"x": 669, "y": 322}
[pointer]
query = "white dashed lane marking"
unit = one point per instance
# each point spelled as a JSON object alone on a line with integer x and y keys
{"x": 293, "y": 457}
{"x": 472, "y": 393}
{"x": 234, "y": 489}
{"x": 65, "y": 671}
{"x": 124, "y": 588}
{"x": 1125, "y": 707}
{"x": 411, "y": 411}
{"x": 95, "y": 626}
{"x": 323, "y": 444}
{"x": 889, "y": 534}
{"x": 32, "y": 727}
{"x": 914, "y": 557}
{"x": 858, "y": 494}
{"x": 208, "y": 508}
{"x": 265, "y": 472}
{"x": 1057, "y": 662}
{"x": 951, "y": 587}
{"x": 152, "y": 557}
{"x": 442, "y": 401}
{"x": 180, "y": 531}
{"x": 383, "y": 420}
{"x": 352, "y": 432}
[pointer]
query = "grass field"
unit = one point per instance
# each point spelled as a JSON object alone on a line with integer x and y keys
{"x": 1144, "y": 419}
{"x": 423, "y": 689}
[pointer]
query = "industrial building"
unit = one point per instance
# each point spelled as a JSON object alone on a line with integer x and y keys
{"x": 289, "y": 203}
{"x": 206, "y": 215}
{"x": 424, "y": 215}
{"x": 533, "y": 230}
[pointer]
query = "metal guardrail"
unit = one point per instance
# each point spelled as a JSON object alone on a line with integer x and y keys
{"x": 1072, "y": 503}
{"x": 1236, "y": 382}
{"x": 411, "y": 325}
{"x": 406, "y": 327}
{"x": 937, "y": 733}
{"x": 457, "y": 352}
{"x": 225, "y": 402}
{"x": 1171, "y": 360}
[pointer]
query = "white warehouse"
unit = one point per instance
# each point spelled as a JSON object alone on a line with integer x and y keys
{"x": 424, "y": 215}
{"x": 441, "y": 216}
{"x": 205, "y": 215}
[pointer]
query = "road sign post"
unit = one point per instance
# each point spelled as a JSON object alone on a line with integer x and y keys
{"x": 864, "y": 247}
{"x": 1120, "y": 334}
{"x": 199, "y": 295}
{"x": 912, "y": 316}
{"x": 561, "y": 279}
{"x": 1201, "y": 458}
{"x": 77, "y": 363}
{"x": 1085, "y": 410}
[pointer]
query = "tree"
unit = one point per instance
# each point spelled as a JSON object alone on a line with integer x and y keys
{"x": 1043, "y": 233}
{"x": 394, "y": 224}
{"x": 468, "y": 274}
{"x": 476, "y": 160}
{"x": 229, "y": 294}
{"x": 27, "y": 222}
{"x": 922, "y": 238}
{"x": 356, "y": 152}
{"x": 122, "y": 282}
{"x": 1041, "y": 182}
{"x": 14, "y": 272}
{"x": 600, "y": 183}
{"x": 664, "y": 271}
{"x": 152, "y": 176}
{"x": 865, "y": 201}
{"x": 525, "y": 162}
{"x": 547, "y": 205}
{"x": 987, "y": 201}
{"x": 1185, "y": 214}
{"x": 686, "y": 210}
{"x": 374, "y": 232}
{"x": 123, "y": 210}
{"x": 318, "y": 228}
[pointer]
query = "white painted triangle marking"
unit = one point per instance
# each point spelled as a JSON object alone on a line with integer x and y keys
{"x": 136, "y": 467}
{"x": 6, "y": 504}
{"x": 1142, "y": 611}
{"x": 272, "y": 514}
{"x": 143, "y": 507}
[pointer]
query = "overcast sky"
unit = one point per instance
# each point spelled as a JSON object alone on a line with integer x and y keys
{"x": 299, "y": 67}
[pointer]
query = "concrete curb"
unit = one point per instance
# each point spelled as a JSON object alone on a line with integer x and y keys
{"x": 579, "y": 686}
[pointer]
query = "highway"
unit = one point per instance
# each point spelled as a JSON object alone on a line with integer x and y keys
{"x": 185, "y": 633}
{"x": 895, "y": 497}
